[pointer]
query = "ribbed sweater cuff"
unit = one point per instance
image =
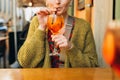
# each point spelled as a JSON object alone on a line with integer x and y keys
{"x": 40, "y": 34}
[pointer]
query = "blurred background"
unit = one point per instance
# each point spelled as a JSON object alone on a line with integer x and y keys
{"x": 15, "y": 16}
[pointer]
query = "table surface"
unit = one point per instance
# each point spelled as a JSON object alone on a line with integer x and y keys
{"x": 58, "y": 74}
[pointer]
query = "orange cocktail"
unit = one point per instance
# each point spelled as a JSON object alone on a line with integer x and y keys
{"x": 111, "y": 46}
{"x": 55, "y": 23}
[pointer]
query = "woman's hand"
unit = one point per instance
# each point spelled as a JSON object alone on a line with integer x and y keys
{"x": 42, "y": 16}
{"x": 61, "y": 41}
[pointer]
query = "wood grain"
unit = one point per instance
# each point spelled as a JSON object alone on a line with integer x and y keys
{"x": 57, "y": 74}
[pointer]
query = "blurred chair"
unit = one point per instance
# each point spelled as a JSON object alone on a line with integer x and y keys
{"x": 12, "y": 57}
{"x": 3, "y": 32}
{"x": 3, "y": 52}
{"x": 3, "y": 47}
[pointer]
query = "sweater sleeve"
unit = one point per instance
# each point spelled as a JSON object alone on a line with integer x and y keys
{"x": 32, "y": 51}
{"x": 86, "y": 56}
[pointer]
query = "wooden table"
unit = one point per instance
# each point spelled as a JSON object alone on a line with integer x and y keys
{"x": 58, "y": 74}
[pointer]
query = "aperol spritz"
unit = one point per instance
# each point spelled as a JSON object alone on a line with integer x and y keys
{"x": 55, "y": 24}
{"x": 111, "y": 46}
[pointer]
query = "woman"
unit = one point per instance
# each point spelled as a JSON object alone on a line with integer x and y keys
{"x": 76, "y": 51}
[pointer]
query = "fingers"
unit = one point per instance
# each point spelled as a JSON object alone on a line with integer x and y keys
{"x": 42, "y": 15}
{"x": 44, "y": 11}
{"x": 56, "y": 37}
{"x": 60, "y": 40}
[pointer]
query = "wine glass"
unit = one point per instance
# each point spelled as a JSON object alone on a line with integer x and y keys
{"x": 55, "y": 24}
{"x": 111, "y": 46}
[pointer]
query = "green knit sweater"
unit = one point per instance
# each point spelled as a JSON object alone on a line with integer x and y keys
{"x": 35, "y": 50}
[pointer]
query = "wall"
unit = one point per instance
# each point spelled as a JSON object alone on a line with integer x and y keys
{"x": 82, "y": 13}
{"x": 102, "y": 15}
{"x": 117, "y": 10}
{"x": 78, "y": 13}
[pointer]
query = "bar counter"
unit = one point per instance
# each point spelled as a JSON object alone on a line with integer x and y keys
{"x": 58, "y": 74}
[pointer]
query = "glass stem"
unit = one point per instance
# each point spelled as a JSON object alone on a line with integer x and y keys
{"x": 55, "y": 51}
